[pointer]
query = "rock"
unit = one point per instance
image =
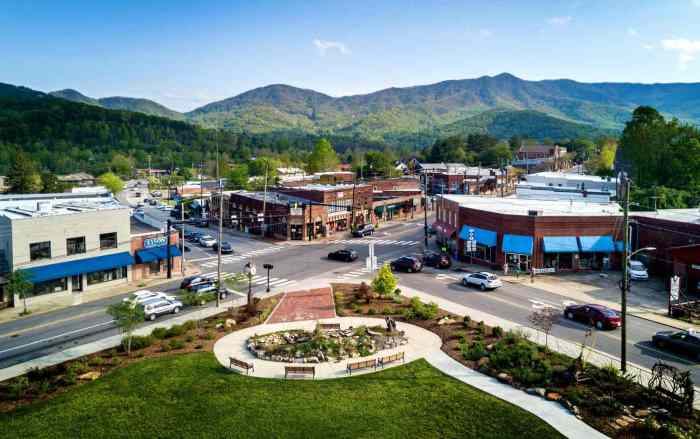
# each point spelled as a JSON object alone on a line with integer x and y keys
{"x": 642, "y": 413}
{"x": 504, "y": 378}
{"x": 229, "y": 323}
{"x": 90, "y": 376}
{"x": 530, "y": 390}
{"x": 621, "y": 422}
{"x": 483, "y": 361}
{"x": 540, "y": 391}
{"x": 489, "y": 347}
{"x": 553, "y": 396}
{"x": 219, "y": 325}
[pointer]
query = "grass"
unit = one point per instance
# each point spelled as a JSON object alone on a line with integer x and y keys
{"x": 193, "y": 396}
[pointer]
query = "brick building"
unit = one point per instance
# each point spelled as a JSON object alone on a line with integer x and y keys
{"x": 456, "y": 178}
{"x": 542, "y": 234}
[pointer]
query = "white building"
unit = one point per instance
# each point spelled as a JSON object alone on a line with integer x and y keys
{"x": 567, "y": 186}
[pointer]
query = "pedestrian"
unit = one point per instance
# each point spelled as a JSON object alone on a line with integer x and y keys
{"x": 532, "y": 275}
{"x": 505, "y": 269}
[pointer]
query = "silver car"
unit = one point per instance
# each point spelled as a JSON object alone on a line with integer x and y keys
{"x": 158, "y": 306}
{"x": 483, "y": 280}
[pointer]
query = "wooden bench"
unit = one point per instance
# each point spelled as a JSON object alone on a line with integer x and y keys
{"x": 390, "y": 359}
{"x": 240, "y": 364}
{"x": 299, "y": 370}
{"x": 329, "y": 326}
{"x": 361, "y": 365}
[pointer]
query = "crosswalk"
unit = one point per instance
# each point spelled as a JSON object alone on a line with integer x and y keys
{"x": 256, "y": 280}
{"x": 443, "y": 277}
{"x": 227, "y": 259}
{"x": 375, "y": 241}
{"x": 360, "y": 271}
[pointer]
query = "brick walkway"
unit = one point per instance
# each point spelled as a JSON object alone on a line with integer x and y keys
{"x": 304, "y": 305}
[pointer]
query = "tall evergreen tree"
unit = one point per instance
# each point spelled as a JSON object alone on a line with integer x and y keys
{"x": 22, "y": 177}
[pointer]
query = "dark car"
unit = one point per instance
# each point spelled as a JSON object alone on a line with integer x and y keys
{"x": 406, "y": 263}
{"x": 364, "y": 230}
{"x": 682, "y": 342}
{"x": 190, "y": 282}
{"x": 226, "y": 248}
{"x": 599, "y": 316}
{"x": 346, "y": 255}
{"x": 193, "y": 236}
{"x": 200, "y": 222}
{"x": 437, "y": 260}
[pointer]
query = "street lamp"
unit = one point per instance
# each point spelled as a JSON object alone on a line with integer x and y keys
{"x": 268, "y": 267}
{"x": 250, "y": 271}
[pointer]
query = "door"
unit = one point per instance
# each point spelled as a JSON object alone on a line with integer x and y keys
{"x": 77, "y": 283}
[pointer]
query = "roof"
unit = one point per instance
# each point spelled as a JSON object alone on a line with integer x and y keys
{"x": 521, "y": 206}
{"x": 272, "y": 197}
{"x": 78, "y": 176}
{"x": 690, "y": 216}
{"x": 327, "y": 187}
{"x": 138, "y": 227}
{"x": 458, "y": 169}
{"x": 569, "y": 176}
{"x": 537, "y": 148}
{"x": 18, "y": 206}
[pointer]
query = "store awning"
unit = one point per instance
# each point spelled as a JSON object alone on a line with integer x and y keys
{"x": 560, "y": 244}
{"x": 596, "y": 244}
{"x": 443, "y": 228}
{"x": 79, "y": 266}
{"x": 517, "y": 244}
{"x": 147, "y": 255}
{"x": 481, "y": 236}
{"x": 619, "y": 245}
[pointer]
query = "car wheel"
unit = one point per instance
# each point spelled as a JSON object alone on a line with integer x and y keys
{"x": 152, "y": 317}
{"x": 464, "y": 282}
{"x": 482, "y": 287}
{"x": 410, "y": 270}
{"x": 570, "y": 315}
{"x": 599, "y": 324}
{"x": 223, "y": 295}
{"x": 176, "y": 310}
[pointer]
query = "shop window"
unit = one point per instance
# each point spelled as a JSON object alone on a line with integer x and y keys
{"x": 99, "y": 277}
{"x": 154, "y": 267}
{"x": 40, "y": 250}
{"x": 108, "y": 240}
{"x": 75, "y": 246}
{"x": 51, "y": 286}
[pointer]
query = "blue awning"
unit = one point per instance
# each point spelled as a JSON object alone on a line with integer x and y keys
{"x": 79, "y": 266}
{"x": 560, "y": 244}
{"x": 619, "y": 245}
{"x": 518, "y": 244}
{"x": 481, "y": 236}
{"x": 596, "y": 244}
{"x": 147, "y": 255}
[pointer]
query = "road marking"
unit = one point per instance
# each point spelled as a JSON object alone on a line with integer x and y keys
{"x": 443, "y": 276}
{"x": 51, "y": 323}
{"x": 55, "y": 337}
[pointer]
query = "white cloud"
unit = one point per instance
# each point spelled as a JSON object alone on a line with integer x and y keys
{"x": 632, "y": 32}
{"x": 686, "y": 49}
{"x": 648, "y": 46}
{"x": 485, "y": 33}
{"x": 324, "y": 46}
{"x": 559, "y": 21}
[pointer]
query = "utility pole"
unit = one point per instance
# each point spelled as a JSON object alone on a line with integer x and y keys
{"x": 201, "y": 189}
{"x": 624, "y": 284}
{"x": 478, "y": 180}
{"x": 221, "y": 219}
{"x": 425, "y": 207}
{"x": 182, "y": 221}
{"x": 264, "y": 228}
{"x": 354, "y": 184}
{"x": 167, "y": 249}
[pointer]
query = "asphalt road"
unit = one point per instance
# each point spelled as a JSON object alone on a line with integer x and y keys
{"x": 294, "y": 264}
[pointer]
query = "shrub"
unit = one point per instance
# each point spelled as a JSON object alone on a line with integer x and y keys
{"x": 138, "y": 342}
{"x": 506, "y": 355}
{"x": 209, "y": 335}
{"x": 360, "y": 331}
{"x": 174, "y": 331}
{"x": 189, "y": 338}
{"x": 421, "y": 311}
{"x": 159, "y": 333}
{"x": 189, "y": 325}
{"x": 481, "y": 328}
{"x": 177, "y": 344}
{"x": 397, "y": 292}
{"x": 165, "y": 347}
{"x": 371, "y": 312}
{"x": 466, "y": 321}
{"x": 18, "y": 386}
{"x": 78, "y": 367}
{"x": 397, "y": 299}
{"x": 97, "y": 361}
{"x": 44, "y": 387}
{"x": 387, "y": 311}
{"x": 497, "y": 331}
{"x": 475, "y": 351}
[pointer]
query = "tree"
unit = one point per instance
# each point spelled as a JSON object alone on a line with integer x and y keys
{"x": 50, "y": 184}
{"x": 127, "y": 316}
{"x": 22, "y": 177}
{"x": 496, "y": 155}
{"x": 112, "y": 182}
{"x": 18, "y": 284}
{"x": 322, "y": 158}
{"x": 385, "y": 282}
{"x": 480, "y": 142}
{"x": 121, "y": 165}
{"x": 544, "y": 319}
{"x": 237, "y": 178}
{"x": 379, "y": 163}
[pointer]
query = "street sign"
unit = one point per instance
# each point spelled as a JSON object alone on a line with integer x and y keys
{"x": 675, "y": 288}
{"x": 470, "y": 245}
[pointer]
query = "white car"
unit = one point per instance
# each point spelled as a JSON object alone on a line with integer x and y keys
{"x": 483, "y": 280}
{"x": 637, "y": 270}
{"x": 146, "y": 295}
{"x": 158, "y": 306}
{"x": 207, "y": 241}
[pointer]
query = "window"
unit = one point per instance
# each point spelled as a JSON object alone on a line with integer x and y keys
{"x": 51, "y": 286}
{"x": 40, "y": 250}
{"x": 75, "y": 246}
{"x": 154, "y": 267}
{"x": 106, "y": 275}
{"x": 108, "y": 240}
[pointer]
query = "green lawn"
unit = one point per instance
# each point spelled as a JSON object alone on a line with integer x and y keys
{"x": 193, "y": 396}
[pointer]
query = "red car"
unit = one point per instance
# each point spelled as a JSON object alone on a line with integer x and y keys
{"x": 599, "y": 316}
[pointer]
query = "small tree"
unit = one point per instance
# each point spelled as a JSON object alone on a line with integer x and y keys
{"x": 385, "y": 282}
{"x": 127, "y": 316}
{"x": 543, "y": 319}
{"x": 112, "y": 182}
{"x": 18, "y": 284}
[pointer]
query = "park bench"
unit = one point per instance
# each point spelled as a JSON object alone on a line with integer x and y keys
{"x": 240, "y": 364}
{"x": 329, "y": 326}
{"x": 390, "y": 359}
{"x": 299, "y": 370}
{"x": 366, "y": 364}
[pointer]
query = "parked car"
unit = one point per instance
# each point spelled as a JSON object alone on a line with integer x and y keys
{"x": 637, "y": 270}
{"x": 484, "y": 280}
{"x": 364, "y": 230}
{"x": 437, "y": 260}
{"x": 156, "y": 194}
{"x": 682, "y": 342}
{"x": 199, "y": 222}
{"x": 347, "y": 255}
{"x": 209, "y": 288}
{"x": 193, "y": 236}
{"x": 152, "y": 202}
{"x": 226, "y": 248}
{"x": 145, "y": 295}
{"x": 158, "y": 306}
{"x": 408, "y": 264}
{"x": 599, "y": 316}
{"x": 187, "y": 249}
{"x": 189, "y": 282}
{"x": 207, "y": 241}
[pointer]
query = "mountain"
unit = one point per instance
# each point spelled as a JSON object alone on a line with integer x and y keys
{"x": 139, "y": 105}
{"x": 400, "y": 113}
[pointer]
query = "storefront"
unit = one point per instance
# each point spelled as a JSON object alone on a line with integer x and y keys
{"x": 486, "y": 243}
{"x": 445, "y": 235}
{"x": 595, "y": 252}
{"x": 560, "y": 252}
{"x": 151, "y": 257}
{"x": 518, "y": 251}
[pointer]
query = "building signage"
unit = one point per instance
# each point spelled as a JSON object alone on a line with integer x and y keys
{"x": 695, "y": 266}
{"x": 544, "y": 270}
{"x": 154, "y": 242}
{"x": 675, "y": 288}
{"x": 340, "y": 194}
{"x": 295, "y": 211}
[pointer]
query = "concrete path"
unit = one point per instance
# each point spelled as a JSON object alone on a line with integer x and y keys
{"x": 422, "y": 344}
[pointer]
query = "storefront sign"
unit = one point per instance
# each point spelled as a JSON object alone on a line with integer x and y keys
{"x": 154, "y": 242}
{"x": 340, "y": 194}
{"x": 695, "y": 266}
{"x": 544, "y": 270}
{"x": 295, "y": 211}
{"x": 675, "y": 288}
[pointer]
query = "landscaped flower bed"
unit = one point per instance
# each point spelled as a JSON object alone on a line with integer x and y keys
{"x": 318, "y": 346}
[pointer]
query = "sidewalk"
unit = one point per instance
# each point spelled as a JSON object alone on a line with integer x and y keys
{"x": 646, "y": 299}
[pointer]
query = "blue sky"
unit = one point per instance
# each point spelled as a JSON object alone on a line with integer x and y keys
{"x": 188, "y": 53}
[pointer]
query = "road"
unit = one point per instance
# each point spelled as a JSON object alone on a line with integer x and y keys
{"x": 294, "y": 264}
